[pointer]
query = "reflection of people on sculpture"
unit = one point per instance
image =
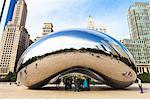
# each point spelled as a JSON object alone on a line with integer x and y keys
{"x": 140, "y": 85}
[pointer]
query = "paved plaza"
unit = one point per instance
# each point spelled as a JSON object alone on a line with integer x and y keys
{"x": 50, "y": 92}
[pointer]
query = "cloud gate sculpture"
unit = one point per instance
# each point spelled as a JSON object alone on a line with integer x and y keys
{"x": 87, "y": 52}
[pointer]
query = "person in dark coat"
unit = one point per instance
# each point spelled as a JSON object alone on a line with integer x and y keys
{"x": 77, "y": 84}
{"x": 140, "y": 85}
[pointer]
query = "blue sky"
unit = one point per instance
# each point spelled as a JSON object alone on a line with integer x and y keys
{"x": 65, "y": 14}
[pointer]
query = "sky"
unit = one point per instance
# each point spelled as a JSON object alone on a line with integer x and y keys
{"x": 69, "y": 14}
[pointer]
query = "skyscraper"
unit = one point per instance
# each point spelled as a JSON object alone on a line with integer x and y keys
{"x": 139, "y": 21}
{"x": 139, "y": 27}
{"x": 92, "y": 26}
{"x": 15, "y": 39}
{"x": 48, "y": 28}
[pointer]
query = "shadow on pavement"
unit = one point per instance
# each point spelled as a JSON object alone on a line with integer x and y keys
{"x": 92, "y": 88}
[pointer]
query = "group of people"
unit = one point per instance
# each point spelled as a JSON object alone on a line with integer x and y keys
{"x": 83, "y": 83}
{"x": 79, "y": 83}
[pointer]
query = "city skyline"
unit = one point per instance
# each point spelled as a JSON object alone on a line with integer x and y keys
{"x": 95, "y": 43}
{"x": 108, "y": 13}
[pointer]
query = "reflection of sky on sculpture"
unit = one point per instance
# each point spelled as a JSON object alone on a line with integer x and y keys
{"x": 79, "y": 38}
{"x": 123, "y": 48}
{"x": 123, "y": 51}
{"x": 55, "y": 44}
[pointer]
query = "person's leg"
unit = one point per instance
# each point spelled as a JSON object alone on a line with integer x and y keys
{"x": 74, "y": 87}
{"x": 69, "y": 86}
{"x": 141, "y": 88}
{"x": 66, "y": 86}
{"x": 78, "y": 88}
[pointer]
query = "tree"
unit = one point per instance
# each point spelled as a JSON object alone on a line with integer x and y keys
{"x": 145, "y": 77}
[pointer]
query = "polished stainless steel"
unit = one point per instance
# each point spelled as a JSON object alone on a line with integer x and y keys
{"x": 88, "y": 52}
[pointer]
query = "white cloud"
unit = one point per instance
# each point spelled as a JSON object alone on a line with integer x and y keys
{"x": 40, "y": 12}
{"x": 56, "y": 11}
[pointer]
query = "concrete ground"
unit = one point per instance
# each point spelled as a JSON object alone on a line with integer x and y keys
{"x": 50, "y": 92}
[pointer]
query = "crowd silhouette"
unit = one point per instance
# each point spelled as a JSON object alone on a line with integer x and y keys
{"x": 76, "y": 83}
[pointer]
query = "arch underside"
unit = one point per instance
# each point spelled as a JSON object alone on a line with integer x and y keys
{"x": 93, "y": 74}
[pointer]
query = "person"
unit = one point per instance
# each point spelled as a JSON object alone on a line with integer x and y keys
{"x": 65, "y": 82}
{"x": 88, "y": 83}
{"x": 85, "y": 84}
{"x": 94, "y": 83}
{"x": 81, "y": 84}
{"x": 77, "y": 84}
{"x": 58, "y": 81}
{"x": 70, "y": 83}
{"x": 140, "y": 85}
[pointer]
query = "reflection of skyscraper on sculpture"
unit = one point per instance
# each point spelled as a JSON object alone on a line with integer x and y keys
{"x": 91, "y": 25}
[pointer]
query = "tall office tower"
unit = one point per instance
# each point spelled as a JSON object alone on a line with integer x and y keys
{"x": 139, "y": 21}
{"x": 48, "y": 28}
{"x": 139, "y": 27}
{"x": 92, "y": 26}
{"x": 15, "y": 39}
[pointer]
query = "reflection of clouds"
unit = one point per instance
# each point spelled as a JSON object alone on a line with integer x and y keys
{"x": 57, "y": 43}
{"x": 76, "y": 11}
{"x": 76, "y": 39}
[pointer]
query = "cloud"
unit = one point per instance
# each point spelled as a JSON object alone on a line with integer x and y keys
{"x": 66, "y": 14}
{"x": 52, "y": 11}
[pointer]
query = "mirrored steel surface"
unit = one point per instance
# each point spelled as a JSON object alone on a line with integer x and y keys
{"x": 81, "y": 42}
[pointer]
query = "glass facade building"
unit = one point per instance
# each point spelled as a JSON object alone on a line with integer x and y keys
{"x": 139, "y": 27}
